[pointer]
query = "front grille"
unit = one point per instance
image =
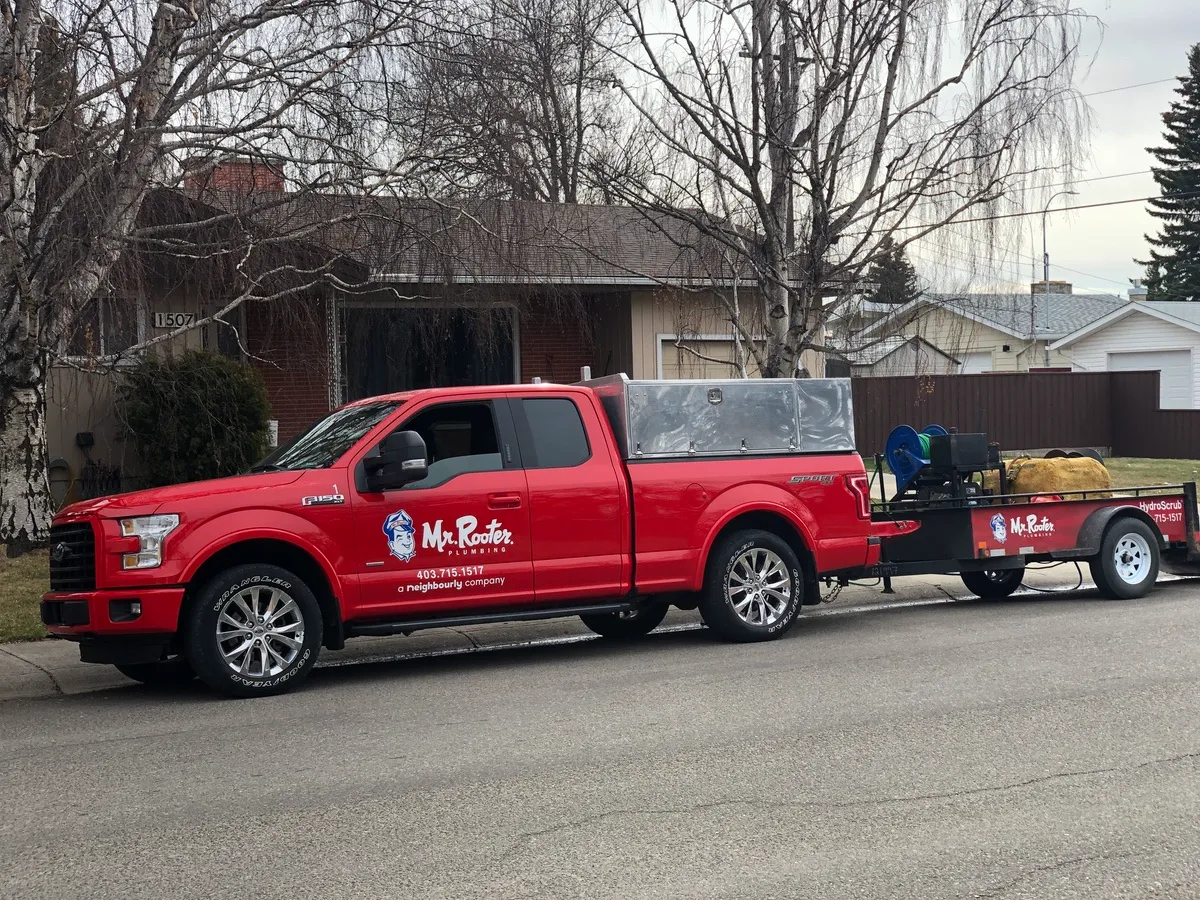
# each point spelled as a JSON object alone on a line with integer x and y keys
{"x": 72, "y": 557}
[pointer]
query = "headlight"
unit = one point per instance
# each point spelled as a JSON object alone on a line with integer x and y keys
{"x": 152, "y": 531}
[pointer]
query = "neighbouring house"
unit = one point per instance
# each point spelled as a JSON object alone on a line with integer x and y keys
{"x": 420, "y": 294}
{"x": 1143, "y": 336}
{"x": 893, "y": 356}
{"x": 995, "y": 332}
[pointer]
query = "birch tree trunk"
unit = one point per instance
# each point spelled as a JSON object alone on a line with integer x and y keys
{"x": 25, "y": 507}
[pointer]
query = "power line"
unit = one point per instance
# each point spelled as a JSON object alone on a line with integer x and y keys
{"x": 1129, "y": 87}
{"x": 1039, "y": 212}
{"x": 1020, "y": 253}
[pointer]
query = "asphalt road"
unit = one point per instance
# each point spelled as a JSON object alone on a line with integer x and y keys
{"x": 1044, "y": 748}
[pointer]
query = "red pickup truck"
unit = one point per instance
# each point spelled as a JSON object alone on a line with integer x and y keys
{"x": 611, "y": 501}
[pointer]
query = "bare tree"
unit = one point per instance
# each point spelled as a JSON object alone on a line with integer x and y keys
{"x": 519, "y": 97}
{"x": 803, "y": 137}
{"x": 101, "y": 102}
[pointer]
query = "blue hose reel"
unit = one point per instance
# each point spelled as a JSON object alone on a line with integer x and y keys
{"x": 907, "y": 452}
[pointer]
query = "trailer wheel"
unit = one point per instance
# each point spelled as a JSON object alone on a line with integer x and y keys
{"x": 994, "y": 584}
{"x": 632, "y": 624}
{"x": 753, "y": 588}
{"x": 1127, "y": 566}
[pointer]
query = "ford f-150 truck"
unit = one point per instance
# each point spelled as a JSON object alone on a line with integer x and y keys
{"x": 610, "y": 500}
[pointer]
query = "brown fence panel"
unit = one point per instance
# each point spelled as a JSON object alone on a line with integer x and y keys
{"x": 1140, "y": 428}
{"x": 1020, "y": 411}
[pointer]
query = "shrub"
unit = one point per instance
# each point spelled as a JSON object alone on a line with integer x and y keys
{"x": 194, "y": 416}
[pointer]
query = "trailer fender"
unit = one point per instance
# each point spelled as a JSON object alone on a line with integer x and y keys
{"x": 1091, "y": 532}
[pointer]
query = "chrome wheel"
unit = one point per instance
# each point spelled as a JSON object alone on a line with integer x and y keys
{"x": 1132, "y": 558}
{"x": 759, "y": 587}
{"x": 260, "y": 631}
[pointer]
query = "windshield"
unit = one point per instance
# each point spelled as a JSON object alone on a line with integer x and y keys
{"x": 325, "y": 442}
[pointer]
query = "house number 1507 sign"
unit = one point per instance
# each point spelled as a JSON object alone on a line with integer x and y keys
{"x": 173, "y": 319}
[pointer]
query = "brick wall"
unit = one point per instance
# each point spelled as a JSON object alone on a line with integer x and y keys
{"x": 289, "y": 346}
{"x": 243, "y": 175}
{"x": 554, "y": 348}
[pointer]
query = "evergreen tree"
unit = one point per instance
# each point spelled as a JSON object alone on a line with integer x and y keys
{"x": 894, "y": 274}
{"x": 1175, "y": 274}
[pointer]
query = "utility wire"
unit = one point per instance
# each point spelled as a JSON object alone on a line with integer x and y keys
{"x": 1129, "y": 87}
{"x": 1039, "y": 212}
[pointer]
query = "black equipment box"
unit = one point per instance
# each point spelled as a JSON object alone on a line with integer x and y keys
{"x": 964, "y": 452}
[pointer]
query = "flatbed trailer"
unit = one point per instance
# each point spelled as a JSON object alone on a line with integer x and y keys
{"x": 1126, "y": 537}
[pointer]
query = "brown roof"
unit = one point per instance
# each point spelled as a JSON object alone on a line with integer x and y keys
{"x": 487, "y": 241}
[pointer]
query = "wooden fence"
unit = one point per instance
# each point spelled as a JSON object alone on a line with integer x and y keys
{"x": 1117, "y": 410}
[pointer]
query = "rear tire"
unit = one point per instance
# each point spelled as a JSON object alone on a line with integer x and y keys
{"x": 1127, "y": 566}
{"x": 753, "y": 588}
{"x": 994, "y": 584}
{"x": 625, "y": 626}
{"x": 173, "y": 672}
{"x": 254, "y": 630}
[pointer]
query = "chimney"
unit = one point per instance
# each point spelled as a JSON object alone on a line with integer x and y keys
{"x": 1138, "y": 291}
{"x": 240, "y": 174}
{"x": 1050, "y": 287}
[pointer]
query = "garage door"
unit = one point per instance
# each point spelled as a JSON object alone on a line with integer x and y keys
{"x": 1174, "y": 366}
{"x": 975, "y": 363}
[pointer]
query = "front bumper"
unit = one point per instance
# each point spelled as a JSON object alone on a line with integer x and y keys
{"x": 106, "y": 613}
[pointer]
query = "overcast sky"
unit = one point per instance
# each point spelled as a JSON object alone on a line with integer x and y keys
{"x": 1142, "y": 41}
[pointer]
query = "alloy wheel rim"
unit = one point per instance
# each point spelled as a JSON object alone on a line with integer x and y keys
{"x": 759, "y": 587}
{"x": 260, "y": 632}
{"x": 1131, "y": 558}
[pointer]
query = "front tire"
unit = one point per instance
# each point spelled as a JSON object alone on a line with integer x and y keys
{"x": 1127, "y": 566}
{"x": 627, "y": 625}
{"x": 253, "y": 631}
{"x": 753, "y": 588}
{"x": 994, "y": 584}
{"x": 165, "y": 673}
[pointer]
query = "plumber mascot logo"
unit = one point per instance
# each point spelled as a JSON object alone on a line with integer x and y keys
{"x": 999, "y": 531}
{"x": 401, "y": 535}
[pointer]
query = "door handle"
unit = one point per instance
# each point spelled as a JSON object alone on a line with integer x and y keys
{"x": 504, "y": 501}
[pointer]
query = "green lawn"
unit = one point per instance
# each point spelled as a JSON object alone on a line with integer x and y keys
{"x": 1132, "y": 472}
{"x": 22, "y": 583}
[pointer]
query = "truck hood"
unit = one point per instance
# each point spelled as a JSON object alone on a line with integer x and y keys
{"x": 143, "y": 503}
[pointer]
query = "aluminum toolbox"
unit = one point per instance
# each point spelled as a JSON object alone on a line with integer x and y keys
{"x": 665, "y": 419}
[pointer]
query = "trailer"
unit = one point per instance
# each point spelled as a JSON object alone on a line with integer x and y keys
{"x": 947, "y": 522}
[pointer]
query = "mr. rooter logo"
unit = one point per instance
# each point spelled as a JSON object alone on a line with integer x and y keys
{"x": 1030, "y": 526}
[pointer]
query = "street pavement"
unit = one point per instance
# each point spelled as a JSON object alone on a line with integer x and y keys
{"x": 1037, "y": 747}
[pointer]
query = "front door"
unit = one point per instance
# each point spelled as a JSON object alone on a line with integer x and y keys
{"x": 460, "y": 537}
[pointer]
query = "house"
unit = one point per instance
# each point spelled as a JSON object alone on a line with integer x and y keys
{"x": 893, "y": 356}
{"x": 413, "y": 294}
{"x": 995, "y": 332}
{"x": 1142, "y": 336}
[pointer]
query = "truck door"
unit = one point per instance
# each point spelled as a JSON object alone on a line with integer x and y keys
{"x": 579, "y": 516}
{"x": 460, "y": 537}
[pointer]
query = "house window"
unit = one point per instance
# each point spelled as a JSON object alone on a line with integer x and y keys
{"x": 104, "y": 326}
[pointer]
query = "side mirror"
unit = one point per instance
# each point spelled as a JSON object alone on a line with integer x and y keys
{"x": 401, "y": 461}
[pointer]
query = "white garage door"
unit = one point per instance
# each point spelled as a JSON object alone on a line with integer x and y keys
{"x": 975, "y": 363}
{"x": 1174, "y": 366}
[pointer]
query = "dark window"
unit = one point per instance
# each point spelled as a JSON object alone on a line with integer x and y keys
{"x": 459, "y": 438}
{"x": 556, "y": 434}
{"x": 103, "y": 327}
